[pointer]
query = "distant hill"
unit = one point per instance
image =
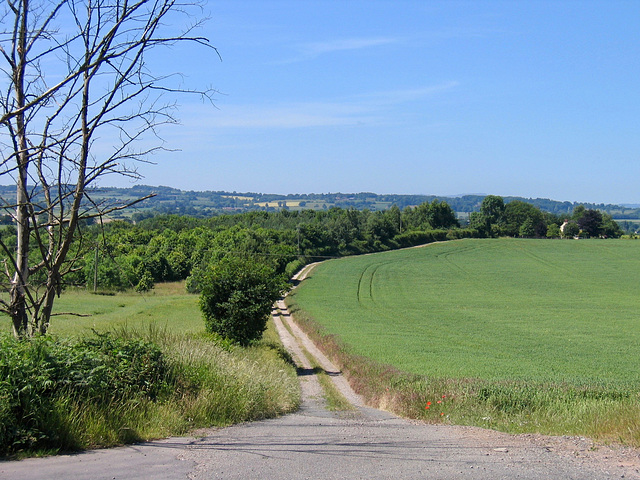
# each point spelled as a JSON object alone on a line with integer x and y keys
{"x": 208, "y": 203}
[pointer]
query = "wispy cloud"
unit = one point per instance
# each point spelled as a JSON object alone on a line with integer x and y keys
{"x": 365, "y": 109}
{"x": 392, "y": 97}
{"x": 319, "y": 48}
{"x": 311, "y": 50}
{"x": 295, "y": 115}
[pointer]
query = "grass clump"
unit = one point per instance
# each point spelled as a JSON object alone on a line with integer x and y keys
{"x": 61, "y": 394}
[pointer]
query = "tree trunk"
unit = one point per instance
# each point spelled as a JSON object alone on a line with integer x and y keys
{"x": 21, "y": 277}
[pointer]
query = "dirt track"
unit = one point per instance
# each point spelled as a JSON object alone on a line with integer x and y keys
{"x": 315, "y": 443}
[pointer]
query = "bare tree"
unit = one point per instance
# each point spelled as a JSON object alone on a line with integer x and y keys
{"x": 77, "y": 96}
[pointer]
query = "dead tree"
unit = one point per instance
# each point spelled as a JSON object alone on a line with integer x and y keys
{"x": 78, "y": 101}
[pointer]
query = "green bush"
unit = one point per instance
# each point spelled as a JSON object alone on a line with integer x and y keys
{"x": 36, "y": 373}
{"x": 294, "y": 267}
{"x": 237, "y": 296}
{"x": 411, "y": 239}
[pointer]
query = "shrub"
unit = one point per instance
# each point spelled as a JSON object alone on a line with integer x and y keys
{"x": 237, "y": 296}
{"x": 146, "y": 282}
{"x": 294, "y": 267}
{"x": 413, "y": 238}
{"x": 37, "y": 374}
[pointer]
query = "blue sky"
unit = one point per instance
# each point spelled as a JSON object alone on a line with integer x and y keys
{"x": 528, "y": 98}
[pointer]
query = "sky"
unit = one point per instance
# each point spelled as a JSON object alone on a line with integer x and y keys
{"x": 524, "y": 98}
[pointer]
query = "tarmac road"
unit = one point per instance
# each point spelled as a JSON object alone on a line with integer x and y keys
{"x": 317, "y": 444}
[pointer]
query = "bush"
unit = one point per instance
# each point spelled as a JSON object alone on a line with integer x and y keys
{"x": 294, "y": 267}
{"x": 146, "y": 282}
{"x": 37, "y": 374}
{"x": 237, "y": 296}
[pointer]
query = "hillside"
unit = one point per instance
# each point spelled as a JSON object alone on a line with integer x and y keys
{"x": 209, "y": 203}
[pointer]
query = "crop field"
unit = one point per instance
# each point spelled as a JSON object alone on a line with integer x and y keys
{"x": 493, "y": 309}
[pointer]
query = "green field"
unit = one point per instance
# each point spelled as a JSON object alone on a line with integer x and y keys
{"x": 167, "y": 306}
{"x": 492, "y": 309}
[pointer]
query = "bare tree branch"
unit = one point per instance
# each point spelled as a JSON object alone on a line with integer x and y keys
{"x": 71, "y": 69}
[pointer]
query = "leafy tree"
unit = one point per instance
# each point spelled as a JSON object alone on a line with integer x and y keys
{"x": 517, "y": 213}
{"x": 527, "y": 229}
{"x": 237, "y": 296}
{"x": 380, "y": 230}
{"x": 427, "y": 216}
{"x": 490, "y": 217}
{"x": 590, "y": 222}
{"x": 73, "y": 74}
{"x": 480, "y": 222}
{"x": 609, "y": 227}
{"x": 442, "y": 215}
{"x": 578, "y": 212}
{"x": 553, "y": 231}
{"x": 492, "y": 208}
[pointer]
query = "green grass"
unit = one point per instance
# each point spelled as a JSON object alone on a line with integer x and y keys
{"x": 493, "y": 309}
{"x": 521, "y": 335}
{"x": 166, "y": 306}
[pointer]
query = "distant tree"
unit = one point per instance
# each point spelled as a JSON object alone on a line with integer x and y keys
{"x": 428, "y": 216}
{"x": 518, "y": 213}
{"x": 610, "y": 227}
{"x": 553, "y": 231}
{"x": 481, "y": 223}
{"x": 490, "y": 217}
{"x": 380, "y": 230}
{"x": 492, "y": 208}
{"x": 590, "y": 222}
{"x": 578, "y": 211}
{"x": 527, "y": 229}
{"x": 441, "y": 215}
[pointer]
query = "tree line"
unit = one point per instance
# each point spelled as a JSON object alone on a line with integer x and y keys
{"x": 521, "y": 219}
{"x": 121, "y": 255}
